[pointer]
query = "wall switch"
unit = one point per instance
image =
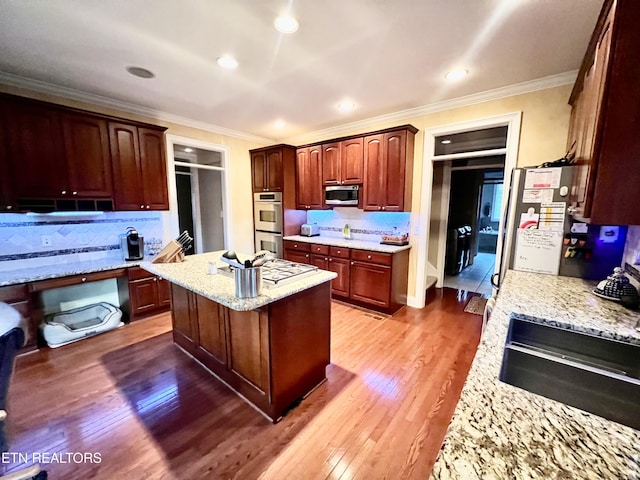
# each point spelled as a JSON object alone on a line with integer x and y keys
{"x": 46, "y": 240}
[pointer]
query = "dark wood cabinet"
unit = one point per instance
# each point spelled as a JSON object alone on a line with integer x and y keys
{"x": 340, "y": 284}
{"x": 604, "y": 120}
{"x": 148, "y": 293}
{"x": 7, "y": 198}
{"x": 212, "y": 340}
{"x": 267, "y": 166}
{"x": 139, "y": 167}
{"x": 371, "y": 283}
{"x": 342, "y": 162}
{"x": 388, "y": 164}
{"x": 35, "y": 151}
{"x": 86, "y": 146}
{"x": 184, "y": 318}
{"x": 310, "y": 193}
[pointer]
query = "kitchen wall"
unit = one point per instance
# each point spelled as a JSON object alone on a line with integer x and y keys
{"x": 367, "y": 226}
{"x": 631, "y": 254}
{"x": 543, "y": 137}
{"x": 239, "y": 167}
{"x": 73, "y": 238}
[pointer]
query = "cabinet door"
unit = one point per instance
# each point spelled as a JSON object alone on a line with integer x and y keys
{"x": 211, "y": 329}
{"x": 331, "y": 164}
{"x": 371, "y": 283}
{"x": 258, "y": 168}
{"x": 36, "y": 151}
{"x": 352, "y": 161}
{"x": 127, "y": 169}
{"x": 309, "y": 178}
{"x": 183, "y": 316}
{"x": 395, "y": 151}
{"x": 154, "y": 169}
{"x": 295, "y": 256}
{"x": 340, "y": 284}
{"x": 164, "y": 293}
{"x": 320, "y": 261}
{"x": 7, "y": 200}
{"x": 143, "y": 295}
{"x": 248, "y": 347}
{"x": 375, "y": 177}
{"x": 86, "y": 144}
{"x": 274, "y": 170}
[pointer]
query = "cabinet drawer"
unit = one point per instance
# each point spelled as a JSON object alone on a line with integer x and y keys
{"x": 320, "y": 249}
{"x": 14, "y": 293}
{"x": 300, "y": 246}
{"x": 340, "y": 252}
{"x": 76, "y": 279}
{"x": 372, "y": 257}
{"x": 137, "y": 273}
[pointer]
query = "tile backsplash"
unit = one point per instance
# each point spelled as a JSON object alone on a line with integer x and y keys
{"x": 73, "y": 237}
{"x": 367, "y": 226}
{"x": 631, "y": 255}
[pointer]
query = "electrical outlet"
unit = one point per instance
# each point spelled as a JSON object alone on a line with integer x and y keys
{"x": 46, "y": 240}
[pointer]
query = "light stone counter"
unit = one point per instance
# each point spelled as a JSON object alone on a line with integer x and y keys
{"x": 45, "y": 272}
{"x": 345, "y": 243}
{"x": 193, "y": 275}
{"x": 503, "y": 432}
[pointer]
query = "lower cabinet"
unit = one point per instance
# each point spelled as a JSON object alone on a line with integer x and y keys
{"x": 148, "y": 293}
{"x": 272, "y": 356}
{"x": 373, "y": 279}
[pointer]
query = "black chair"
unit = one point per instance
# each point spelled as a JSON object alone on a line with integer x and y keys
{"x": 12, "y": 338}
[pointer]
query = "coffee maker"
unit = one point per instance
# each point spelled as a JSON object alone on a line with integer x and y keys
{"x": 132, "y": 245}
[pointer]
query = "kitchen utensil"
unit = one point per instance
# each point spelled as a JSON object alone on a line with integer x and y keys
{"x": 171, "y": 253}
{"x": 185, "y": 240}
{"x": 248, "y": 282}
{"x": 229, "y": 257}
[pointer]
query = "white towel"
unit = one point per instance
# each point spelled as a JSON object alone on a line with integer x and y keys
{"x": 10, "y": 318}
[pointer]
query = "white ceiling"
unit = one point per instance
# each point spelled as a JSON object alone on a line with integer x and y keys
{"x": 386, "y": 55}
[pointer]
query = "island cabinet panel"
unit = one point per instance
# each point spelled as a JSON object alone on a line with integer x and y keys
{"x": 86, "y": 143}
{"x": 249, "y": 349}
{"x": 184, "y": 321}
{"x": 211, "y": 318}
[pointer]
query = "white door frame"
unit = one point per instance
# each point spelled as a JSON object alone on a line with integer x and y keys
{"x": 512, "y": 121}
{"x": 171, "y": 225}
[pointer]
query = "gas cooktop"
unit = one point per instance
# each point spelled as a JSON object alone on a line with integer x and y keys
{"x": 278, "y": 272}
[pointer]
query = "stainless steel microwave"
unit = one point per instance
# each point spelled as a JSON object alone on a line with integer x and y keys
{"x": 341, "y": 195}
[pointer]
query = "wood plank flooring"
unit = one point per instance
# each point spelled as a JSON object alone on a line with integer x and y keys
{"x": 151, "y": 412}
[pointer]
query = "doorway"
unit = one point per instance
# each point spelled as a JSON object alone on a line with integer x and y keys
{"x": 436, "y": 189}
{"x": 200, "y": 197}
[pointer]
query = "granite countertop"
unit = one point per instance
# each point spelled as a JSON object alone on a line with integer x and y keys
{"x": 45, "y": 272}
{"x": 499, "y": 431}
{"x": 348, "y": 243}
{"x": 193, "y": 275}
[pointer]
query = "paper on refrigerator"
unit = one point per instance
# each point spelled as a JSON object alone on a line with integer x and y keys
{"x": 538, "y": 251}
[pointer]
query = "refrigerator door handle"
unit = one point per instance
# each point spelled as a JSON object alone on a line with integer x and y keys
{"x": 495, "y": 280}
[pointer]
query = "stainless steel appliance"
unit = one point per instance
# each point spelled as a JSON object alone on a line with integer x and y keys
{"x": 309, "y": 230}
{"x": 277, "y": 272}
{"x": 341, "y": 195}
{"x": 132, "y": 245}
{"x": 267, "y": 216}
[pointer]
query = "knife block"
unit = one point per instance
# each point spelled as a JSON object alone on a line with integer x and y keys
{"x": 172, "y": 253}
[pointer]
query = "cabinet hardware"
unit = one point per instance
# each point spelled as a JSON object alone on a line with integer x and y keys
{"x": 331, "y": 259}
{"x": 325, "y": 259}
{"x": 351, "y": 263}
{"x": 9, "y": 207}
{"x": 63, "y": 192}
{"x": 155, "y": 279}
{"x": 84, "y": 279}
{"x": 74, "y": 193}
{"x": 384, "y": 208}
{"x": 369, "y": 257}
{"x": 141, "y": 206}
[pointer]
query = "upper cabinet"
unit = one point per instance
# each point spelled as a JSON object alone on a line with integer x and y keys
{"x": 267, "y": 169}
{"x": 342, "y": 162}
{"x": 137, "y": 156}
{"x": 310, "y": 193}
{"x": 388, "y": 162}
{"x": 604, "y": 122}
{"x": 59, "y": 158}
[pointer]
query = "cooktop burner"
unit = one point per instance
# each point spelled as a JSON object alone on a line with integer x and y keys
{"x": 278, "y": 272}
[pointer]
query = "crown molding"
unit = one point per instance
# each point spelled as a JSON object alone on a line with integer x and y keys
{"x": 78, "y": 95}
{"x": 544, "y": 83}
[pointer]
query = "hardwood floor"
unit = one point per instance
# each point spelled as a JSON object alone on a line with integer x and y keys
{"x": 150, "y": 411}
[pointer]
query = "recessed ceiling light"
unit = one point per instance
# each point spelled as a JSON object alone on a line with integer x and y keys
{"x": 286, "y": 24}
{"x": 346, "y": 106}
{"x": 280, "y": 124}
{"x": 227, "y": 61}
{"x": 140, "y": 72}
{"x": 445, "y": 142}
{"x": 188, "y": 150}
{"x": 456, "y": 74}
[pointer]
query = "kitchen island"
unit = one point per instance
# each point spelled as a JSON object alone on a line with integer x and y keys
{"x": 499, "y": 431}
{"x": 272, "y": 349}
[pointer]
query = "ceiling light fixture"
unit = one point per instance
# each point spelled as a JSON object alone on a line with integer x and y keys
{"x": 286, "y": 24}
{"x": 454, "y": 75}
{"x": 140, "y": 72}
{"x": 280, "y": 124}
{"x": 346, "y": 106}
{"x": 445, "y": 142}
{"x": 188, "y": 150}
{"x": 227, "y": 61}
